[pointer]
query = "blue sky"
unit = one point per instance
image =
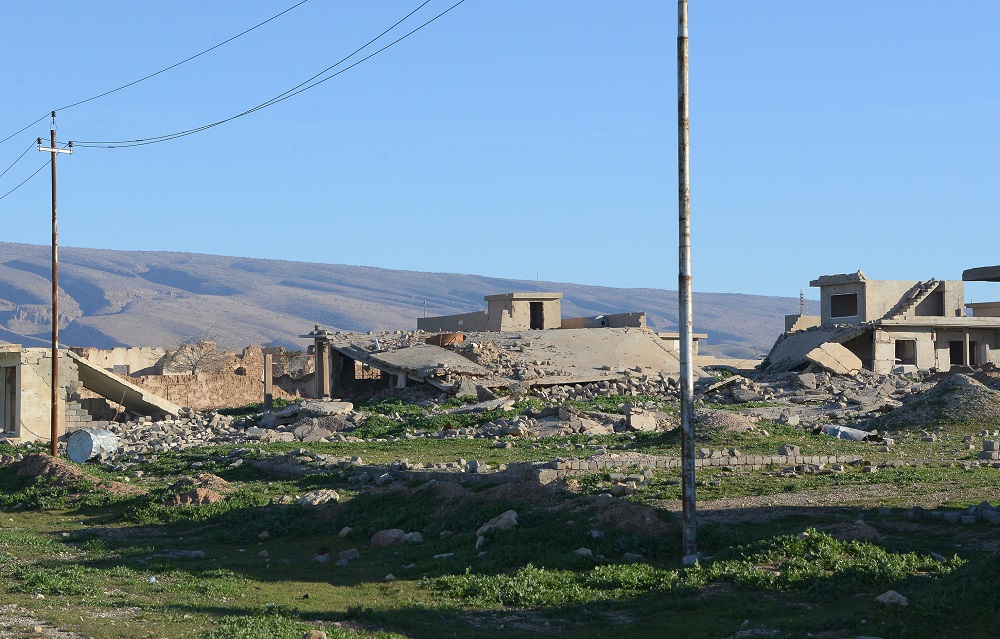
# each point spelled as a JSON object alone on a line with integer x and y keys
{"x": 522, "y": 137}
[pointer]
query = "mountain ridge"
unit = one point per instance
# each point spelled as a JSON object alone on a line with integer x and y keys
{"x": 114, "y": 298}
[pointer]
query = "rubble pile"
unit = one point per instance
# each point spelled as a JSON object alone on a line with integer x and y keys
{"x": 955, "y": 399}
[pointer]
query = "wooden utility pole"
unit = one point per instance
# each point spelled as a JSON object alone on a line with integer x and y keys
{"x": 685, "y": 317}
{"x": 54, "y": 382}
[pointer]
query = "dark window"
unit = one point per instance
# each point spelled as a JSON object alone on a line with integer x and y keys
{"x": 906, "y": 352}
{"x": 845, "y": 305}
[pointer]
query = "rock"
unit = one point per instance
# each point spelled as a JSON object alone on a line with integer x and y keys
{"x": 342, "y": 562}
{"x": 584, "y": 552}
{"x": 321, "y": 558}
{"x": 345, "y": 531}
{"x": 314, "y": 634}
{"x": 413, "y": 538}
{"x": 311, "y": 433}
{"x": 631, "y": 557}
{"x": 639, "y": 420}
{"x": 499, "y": 524}
{"x": 317, "y": 408}
{"x": 389, "y": 537}
{"x": 319, "y": 498}
{"x": 263, "y": 535}
{"x": 892, "y": 598}
{"x": 390, "y": 577}
{"x": 789, "y": 450}
{"x": 262, "y": 554}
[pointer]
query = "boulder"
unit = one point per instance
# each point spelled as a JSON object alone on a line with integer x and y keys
{"x": 500, "y": 523}
{"x": 389, "y": 537}
{"x": 319, "y": 498}
{"x": 317, "y": 408}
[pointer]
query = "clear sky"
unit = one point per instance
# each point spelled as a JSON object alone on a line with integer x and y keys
{"x": 519, "y": 137}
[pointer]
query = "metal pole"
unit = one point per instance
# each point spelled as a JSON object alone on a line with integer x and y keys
{"x": 55, "y": 299}
{"x": 54, "y": 434}
{"x": 690, "y": 527}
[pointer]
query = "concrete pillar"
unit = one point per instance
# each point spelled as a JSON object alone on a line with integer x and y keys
{"x": 965, "y": 346}
{"x": 401, "y": 380}
{"x": 322, "y": 348}
{"x": 268, "y": 381}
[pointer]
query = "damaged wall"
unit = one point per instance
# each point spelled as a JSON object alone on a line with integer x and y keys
{"x": 222, "y": 390}
{"x": 617, "y": 320}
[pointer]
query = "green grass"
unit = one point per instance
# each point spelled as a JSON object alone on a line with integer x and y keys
{"x": 814, "y": 562}
{"x": 91, "y": 555}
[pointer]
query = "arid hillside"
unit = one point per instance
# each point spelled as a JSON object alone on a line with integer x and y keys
{"x": 129, "y": 298}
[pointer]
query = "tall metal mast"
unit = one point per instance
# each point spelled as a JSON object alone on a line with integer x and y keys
{"x": 685, "y": 316}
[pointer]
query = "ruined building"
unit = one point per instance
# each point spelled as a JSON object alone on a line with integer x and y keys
{"x": 891, "y": 325}
{"x": 525, "y": 311}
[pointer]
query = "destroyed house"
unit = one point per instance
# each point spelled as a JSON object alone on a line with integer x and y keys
{"x": 525, "y": 311}
{"x": 888, "y": 325}
{"x": 88, "y": 395}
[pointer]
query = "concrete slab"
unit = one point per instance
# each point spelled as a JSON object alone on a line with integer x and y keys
{"x": 835, "y": 358}
{"x": 118, "y": 390}
{"x": 982, "y": 274}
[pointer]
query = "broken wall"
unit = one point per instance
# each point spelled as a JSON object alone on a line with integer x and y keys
{"x": 472, "y": 322}
{"x": 508, "y": 314}
{"x": 617, "y": 320}
{"x": 222, "y": 390}
{"x": 138, "y": 360}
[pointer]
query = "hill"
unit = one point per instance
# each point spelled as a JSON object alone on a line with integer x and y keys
{"x": 129, "y": 298}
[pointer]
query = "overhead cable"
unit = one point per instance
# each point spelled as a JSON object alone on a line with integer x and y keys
{"x": 151, "y": 75}
{"x": 299, "y": 88}
{"x": 17, "y": 160}
{"x": 47, "y": 162}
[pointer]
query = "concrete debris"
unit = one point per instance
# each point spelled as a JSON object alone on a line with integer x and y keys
{"x": 835, "y": 358}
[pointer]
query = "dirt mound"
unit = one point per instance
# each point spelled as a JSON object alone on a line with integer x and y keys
{"x": 630, "y": 517}
{"x": 203, "y": 480}
{"x": 63, "y": 473}
{"x": 710, "y": 422}
{"x": 196, "y": 497}
{"x": 955, "y": 399}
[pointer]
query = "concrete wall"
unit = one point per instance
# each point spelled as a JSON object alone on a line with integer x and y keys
{"x": 881, "y": 296}
{"x": 474, "y": 322}
{"x": 35, "y": 373}
{"x": 222, "y": 390}
{"x": 800, "y": 322}
{"x": 885, "y": 349}
{"x": 136, "y": 360}
{"x": 618, "y": 320}
{"x": 842, "y": 289}
{"x": 515, "y": 314}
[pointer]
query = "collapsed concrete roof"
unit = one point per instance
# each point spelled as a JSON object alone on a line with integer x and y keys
{"x": 982, "y": 274}
{"x": 565, "y": 356}
{"x": 118, "y": 390}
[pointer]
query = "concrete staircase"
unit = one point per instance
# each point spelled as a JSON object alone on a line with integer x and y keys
{"x": 916, "y": 295}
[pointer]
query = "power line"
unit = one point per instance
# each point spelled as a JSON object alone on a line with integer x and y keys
{"x": 47, "y": 162}
{"x": 299, "y": 88}
{"x": 151, "y": 75}
{"x": 17, "y": 160}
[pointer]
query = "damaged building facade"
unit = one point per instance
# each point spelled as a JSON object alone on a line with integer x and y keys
{"x": 88, "y": 394}
{"x": 525, "y": 311}
{"x": 891, "y": 326}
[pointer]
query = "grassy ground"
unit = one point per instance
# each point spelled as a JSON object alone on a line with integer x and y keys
{"x": 82, "y": 559}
